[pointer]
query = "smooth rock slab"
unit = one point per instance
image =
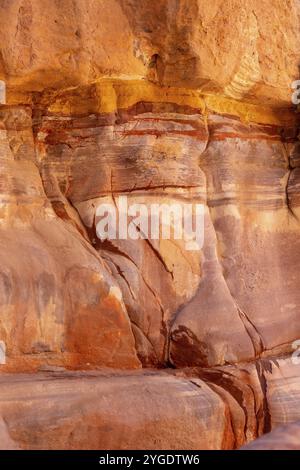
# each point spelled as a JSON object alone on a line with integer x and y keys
{"x": 96, "y": 410}
{"x": 283, "y": 438}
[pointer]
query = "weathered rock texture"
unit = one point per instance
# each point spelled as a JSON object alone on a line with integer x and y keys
{"x": 166, "y": 101}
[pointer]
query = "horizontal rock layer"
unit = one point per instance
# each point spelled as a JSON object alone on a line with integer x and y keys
{"x": 162, "y": 102}
{"x": 217, "y": 408}
{"x": 110, "y": 412}
{"x": 224, "y": 47}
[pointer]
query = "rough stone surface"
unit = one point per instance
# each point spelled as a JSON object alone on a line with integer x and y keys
{"x": 182, "y": 43}
{"x": 167, "y": 101}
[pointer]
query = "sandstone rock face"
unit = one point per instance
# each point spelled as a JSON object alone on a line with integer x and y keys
{"x": 283, "y": 438}
{"x": 165, "y": 102}
{"x": 59, "y": 305}
{"x": 179, "y": 43}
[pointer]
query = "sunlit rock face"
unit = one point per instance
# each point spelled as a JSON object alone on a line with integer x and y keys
{"x": 192, "y": 308}
{"x": 54, "y": 287}
{"x": 243, "y": 50}
{"x": 164, "y": 102}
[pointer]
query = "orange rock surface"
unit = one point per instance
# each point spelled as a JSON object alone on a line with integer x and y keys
{"x": 165, "y": 101}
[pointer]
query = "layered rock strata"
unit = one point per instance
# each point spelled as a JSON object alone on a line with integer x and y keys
{"x": 167, "y": 112}
{"x": 175, "y": 305}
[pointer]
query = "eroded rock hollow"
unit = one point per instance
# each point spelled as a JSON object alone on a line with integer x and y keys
{"x": 144, "y": 343}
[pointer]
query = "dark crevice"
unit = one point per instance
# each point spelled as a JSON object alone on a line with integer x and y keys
{"x": 121, "y": 273}
{"x": 221, "y": 379}
{"x": 287, "y": 197}
{"x": 264, "y": 412}
{"x": 253, "y": 333}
